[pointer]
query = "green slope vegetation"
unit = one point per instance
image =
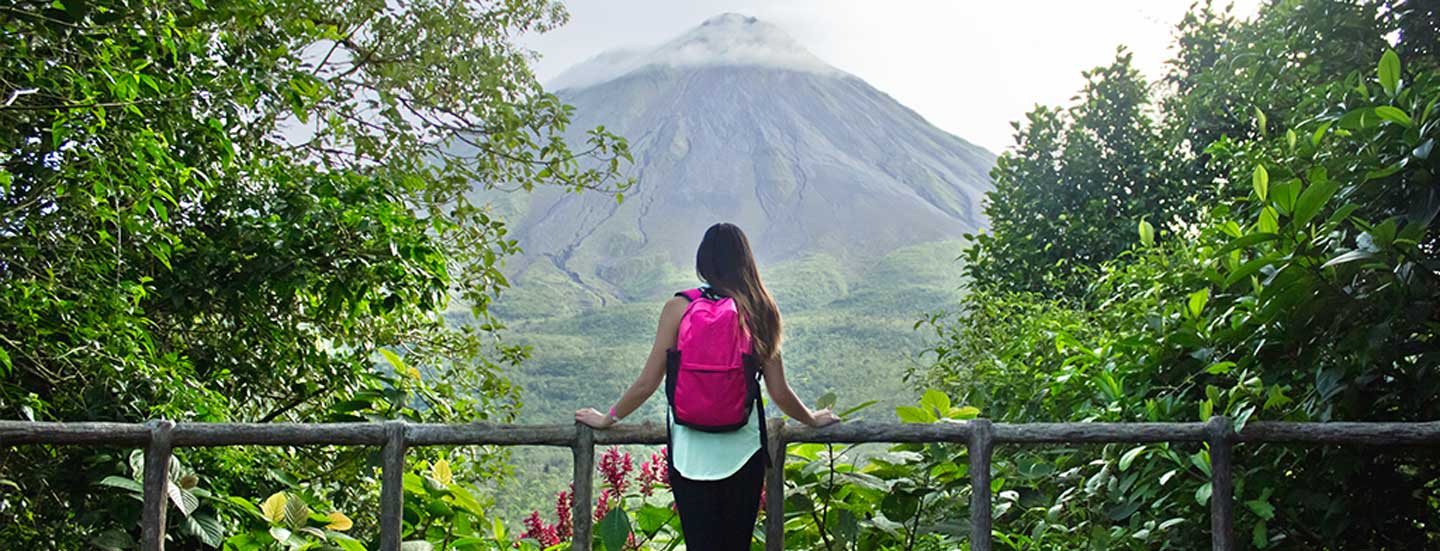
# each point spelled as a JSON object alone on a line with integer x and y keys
{"x": 850, "y": 332}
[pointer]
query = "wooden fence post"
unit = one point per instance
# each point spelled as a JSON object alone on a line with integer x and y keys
{"x": 584, "y": 481}
{"x": 1222, "y": 484}
{"x": 156, "y": 485}
{"x": 775, "y": 487}
{"x": 392, "y": 486}
{"x": 982, "y": 444}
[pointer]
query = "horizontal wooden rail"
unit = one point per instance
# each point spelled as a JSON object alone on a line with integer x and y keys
{"x": 159, "y": 438}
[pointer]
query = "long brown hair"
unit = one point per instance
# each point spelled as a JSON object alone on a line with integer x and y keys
{"x": 724, "y": 261}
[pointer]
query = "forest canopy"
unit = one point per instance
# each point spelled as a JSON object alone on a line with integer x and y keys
{"x": 232, "y": 211}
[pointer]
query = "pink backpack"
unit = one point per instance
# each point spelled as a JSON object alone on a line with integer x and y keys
{"x": 712, "y": 381}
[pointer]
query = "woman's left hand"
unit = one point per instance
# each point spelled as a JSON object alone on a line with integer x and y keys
{"x": 593, "y": 418}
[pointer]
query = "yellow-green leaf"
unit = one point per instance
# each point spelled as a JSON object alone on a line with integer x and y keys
{"x": 274, "y": 507}
{"x": 1147, "y": 233}
{"x": 440, "y": 471}
{"x": 338, "y": 522}
{"x": 1261, "y": 180}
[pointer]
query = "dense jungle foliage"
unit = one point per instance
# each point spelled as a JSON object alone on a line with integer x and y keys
{"x": 227, "y": 211}
{"x": 1254, "y": 236}
{"x": 245, "y": 212}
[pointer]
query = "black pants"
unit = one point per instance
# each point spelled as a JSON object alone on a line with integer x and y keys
{"x": 719, "y": 515}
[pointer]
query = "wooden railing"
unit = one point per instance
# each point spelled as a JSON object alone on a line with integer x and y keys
{"x": 159, "y": 438}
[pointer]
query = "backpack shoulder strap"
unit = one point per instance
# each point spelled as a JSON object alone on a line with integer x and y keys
{"x": 690, "y": 294}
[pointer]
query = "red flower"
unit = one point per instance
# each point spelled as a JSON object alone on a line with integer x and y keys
{"x": 548, "y": 537}
{"x": 602, "y": 505}
{"x": 662, "y": 464}
{"x": 533, "y": 525}
{"x": 616, "y": 468}
{"x": 648, "y": 478}
{"x": 563, "y": 502}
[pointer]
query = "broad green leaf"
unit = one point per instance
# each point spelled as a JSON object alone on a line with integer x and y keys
{"x": 912, "y": 414}
{"x": 122, "y": 483}
{"x": 1260, "y": 121}
{"x": 937, "y": 400}
{"x": 206, "y": 527}
{"x": 1269, "y": 221}
{"x": 183, "y": 499}
{"x": 1351, "y": 256}
{"x": 1261, "y": 508}
{"x": 826, "y": 401}
{"x": 1249, "y": 268}
{"x": 1260, "y": 180}
{"x": 297, "y": 513}
{"x": 1219, "y": 368}
{"x": 1394, "y": 114}
{"x": 1195, "y": 305}
{"x": 1202, "y": 495}
{"x": 1312, "y": 200}
{"x": 1249, "y": 240}
{"x": 1129, "y": 457}
{"x": 1147, "y": 233}
{"x": 614, "y": 530}
{"x": 1319, "y": 134}
{"x": 1389, "y": 72}
{"x": 1284, "y": 195}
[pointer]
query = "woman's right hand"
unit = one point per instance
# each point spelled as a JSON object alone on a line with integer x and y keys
{"x": 823, "y": 418}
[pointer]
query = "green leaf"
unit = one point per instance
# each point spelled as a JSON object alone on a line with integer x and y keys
{"x": 1259, "y": 536}
{"x": 1147, "y": 233}
{"x": 1394, "y": 114}
{"x": 615, "y": 530}
{"x": 1246, "y": 242}
{"x": 1260, "y": 121}
{"x": 1260, "y": 180}
{"x": 1269, "y": 221}
{"x": 297, "y": 513}
{"x": 1290, "y": 139}
{"x": 1313, "y": 199}
{"x": 184, "y": 499}
{"x": 1129, "y": 457}
{"x": 1285, "y": 193}
{"x": 206, "y": 527}
{"x": 912, "y": 414}
{"x": 862, "y": 405}
{"x": 1196, "y": 303}
{"x": 826, "y": 401}
{"x": 1219, "y": 368}
{"x": 123, "y": 483}
{"x": 1249, "y": 268}
{"x": 1389, "y": 72}
{"x": 1202, "y": 495}
{"x": 1261, "y": 508}
{"x": 937, "y": 400}
{"x": 1351, "y": 256}
{"x": 1319, "y": 134}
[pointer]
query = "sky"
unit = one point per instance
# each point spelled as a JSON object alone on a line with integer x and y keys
{"x": 969, "y": 67}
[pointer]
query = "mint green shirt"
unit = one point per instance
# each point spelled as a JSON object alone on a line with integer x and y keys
{"x": 700, "y": 455}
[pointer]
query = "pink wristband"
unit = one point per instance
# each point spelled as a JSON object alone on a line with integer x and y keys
{"x": 613, "y": 418}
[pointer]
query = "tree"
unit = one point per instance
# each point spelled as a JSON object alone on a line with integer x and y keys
{"x": 1068, "y": 196}
{"x": 1302, "y": 286}
{"x": 223, "y": 212}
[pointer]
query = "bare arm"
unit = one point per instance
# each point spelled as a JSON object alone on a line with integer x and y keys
{"x": 651, "y": 376}
{"x": 787, "y": 401}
